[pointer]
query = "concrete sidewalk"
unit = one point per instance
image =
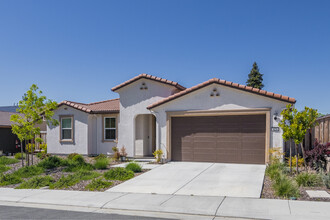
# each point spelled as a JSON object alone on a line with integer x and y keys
{"x": 207, "y": 207}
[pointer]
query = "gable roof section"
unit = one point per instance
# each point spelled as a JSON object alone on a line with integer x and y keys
{"x": 5, "y": 118}
{"x": 146, "y": 76}
{"x": 107, "y": 106}
{"x": 224, "y": 83}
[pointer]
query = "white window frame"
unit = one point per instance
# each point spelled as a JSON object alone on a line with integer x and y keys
{"x": 104, "y": 128}
{"x": 61, "y": 135}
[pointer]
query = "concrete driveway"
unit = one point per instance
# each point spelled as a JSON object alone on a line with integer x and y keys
{"x": 202, "y": 179}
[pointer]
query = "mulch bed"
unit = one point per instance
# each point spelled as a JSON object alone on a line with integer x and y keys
{"x": 268, "y": 192}
{"x": 57, "y": 173}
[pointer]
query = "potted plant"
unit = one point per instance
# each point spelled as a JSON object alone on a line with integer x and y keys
{"x": 158, "y": 155}
{"x": 123, "y": 154}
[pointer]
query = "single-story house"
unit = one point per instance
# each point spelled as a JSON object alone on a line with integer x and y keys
{"x": 215, "y": 121}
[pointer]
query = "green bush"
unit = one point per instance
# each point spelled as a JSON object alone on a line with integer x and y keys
{"x": 86, "y": 175}
{"x": 42, "y": 155}
{"x": 100, "y": 156}
{"x": 326, "y": 180}
{"x": 308, "y": 179}
{"x": 79, "y": 159}
{"x": 6, "y": 160}
{"x": 101, "y": 163}
{"x": 18, "y": 156}
{"x": 29, "y": 171}
{"x": 36, "y": 182}
{"x": 274, "y": 170}
{"x": 74, "y": 166}
{"x": 135, "y": 167}
{"x": 4, "y": 168}
{"x": 50, "y": 162}
{"x": 119, "y": 173}
{"x": 9, "y": 179}
{"x": 285, "y": 187}
{"x": 98, "y": 184}
{"x": 65, "y": 182}
{"x": 70, "y": 156}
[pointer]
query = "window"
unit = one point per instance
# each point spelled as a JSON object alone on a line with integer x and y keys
{"x": 109, "y": 128}
{"x": 66, "y": 128}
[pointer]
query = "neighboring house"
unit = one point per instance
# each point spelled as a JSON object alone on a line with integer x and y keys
{"x": 215, "y": 121}
{"x": 7, "y": 138}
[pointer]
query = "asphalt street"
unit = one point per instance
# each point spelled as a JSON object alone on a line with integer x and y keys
{"x": 12, "y": 212}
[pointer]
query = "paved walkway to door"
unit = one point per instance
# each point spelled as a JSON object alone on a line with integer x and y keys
{"x": 200, "y": 179}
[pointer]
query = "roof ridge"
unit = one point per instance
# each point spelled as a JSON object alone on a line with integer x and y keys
{"x": 151, "y": 77}
{"x": 94, "y": 103}
{"x": 225, "y": 83}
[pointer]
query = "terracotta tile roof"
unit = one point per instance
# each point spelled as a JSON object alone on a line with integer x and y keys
{"x": 225, "y": 83}
{"x": 107, "y": 106}
{"x": 146, "y": 76}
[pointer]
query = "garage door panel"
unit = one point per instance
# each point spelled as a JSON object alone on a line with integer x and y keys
{"x": 226, "y": 139}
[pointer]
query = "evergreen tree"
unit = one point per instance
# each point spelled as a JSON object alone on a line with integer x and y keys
{"x": 255, "y": 77}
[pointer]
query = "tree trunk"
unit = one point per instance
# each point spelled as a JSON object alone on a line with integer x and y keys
{"x": 22, "y": 154}
{"x": 304, "y": 155}
{"x": 297, "y": 157}
{"x": 290, "y": 157}
{"x": 32, "y": 150}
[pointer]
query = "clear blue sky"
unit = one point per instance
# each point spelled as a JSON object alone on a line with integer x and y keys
{"x": 77, "y": 50}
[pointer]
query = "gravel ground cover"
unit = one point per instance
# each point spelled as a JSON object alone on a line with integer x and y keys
{"x": 58, "y": 172}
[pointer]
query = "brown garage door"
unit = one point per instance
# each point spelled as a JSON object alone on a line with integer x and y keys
{"x": 224, "y": 139}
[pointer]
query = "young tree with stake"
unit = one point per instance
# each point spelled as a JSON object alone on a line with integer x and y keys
{"x": 34, "y": 108}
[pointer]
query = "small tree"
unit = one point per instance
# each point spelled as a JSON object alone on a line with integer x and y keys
{"x": 285, "y": 124}
{"x": 34, "y": 108}
{"x": 255, "y": 77}
{"x": 299, "y": 123}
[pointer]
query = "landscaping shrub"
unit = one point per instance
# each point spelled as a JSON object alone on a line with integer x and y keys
{"x": 275, "y": 155}
{"x": 42, "y": 155}
{"x": 116, "y": 154}
{"x": 4, "y": 168}
{"x": 316, "y": 158}
{"x": 119, "y": 173}
{"x": 29, "y": 171}
{"x": 65, "y": 182}
{"x": 98, "y": 184}
{"x": 70, "y": 156}
{"x": 294, "y": 161}
{"x": 158, "y": 155}
{"x": 79, "y": 159}
{"x": 308, "y": 179}
{"x": 19, "y": 156}
{"x": 326, "y": 180}
{"x": 50, "y": 162}
{"x": 101, "y": 163}
{"x": 86, "y": 175}
{"x": 100, "y": 156}
{"x": 9, "y": 179}
{"x": 274, "y": 170}
{"x": 36, "y": 182}
{"x": 73, "y": 179}
{"x": 285, "y": 187}
{"x": 6, "y": 160}
{"x": 135, "y": 167}
{"x": 74, "y": 166}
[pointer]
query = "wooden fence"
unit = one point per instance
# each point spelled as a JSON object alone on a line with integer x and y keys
{"x": 321, "y": 132}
